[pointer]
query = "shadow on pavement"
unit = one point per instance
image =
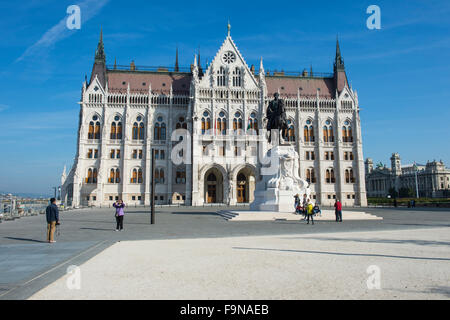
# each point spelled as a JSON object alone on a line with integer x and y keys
{"x": 25, "y": 239}
{"x": 345, "y": 254}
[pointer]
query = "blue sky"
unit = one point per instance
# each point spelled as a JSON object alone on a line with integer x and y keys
{"x": 401, "y": 72}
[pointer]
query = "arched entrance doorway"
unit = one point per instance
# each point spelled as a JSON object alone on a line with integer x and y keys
{"x": 211, "y": 192}
{"x": 245, "y": 185}
{"x": 241, "y": 188}
{"x": 213, "y": 181}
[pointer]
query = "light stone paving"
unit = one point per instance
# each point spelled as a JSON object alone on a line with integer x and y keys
{"x": 413, "y": 264}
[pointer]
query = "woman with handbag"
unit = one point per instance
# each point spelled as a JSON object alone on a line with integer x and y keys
{"x": 119, "y": 205}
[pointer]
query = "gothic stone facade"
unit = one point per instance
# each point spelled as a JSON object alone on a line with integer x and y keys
{"x": 125, "y": 112}
{"x": 433, "y": 179}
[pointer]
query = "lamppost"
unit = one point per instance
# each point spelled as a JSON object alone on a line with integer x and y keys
{"x": 417, "y": 186}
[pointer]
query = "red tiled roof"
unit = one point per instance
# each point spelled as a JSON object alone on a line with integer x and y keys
{"x": 139, "y": 81}
{"x": 308, "y": 86}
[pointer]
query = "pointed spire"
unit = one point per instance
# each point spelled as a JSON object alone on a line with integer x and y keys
{"x": 229, "y": 27}
{"x": 115, "y": 63}
{"x": 262, "y": 73}
{"x": 100, "y": 52}
{"x": 200, "y": 70}
{"x": 338, "y": 61}
{"x": 194, "y": 69}
{"x": 176, "y": 61}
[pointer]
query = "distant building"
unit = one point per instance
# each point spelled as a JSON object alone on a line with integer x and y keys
{"x": 433, "y": 179}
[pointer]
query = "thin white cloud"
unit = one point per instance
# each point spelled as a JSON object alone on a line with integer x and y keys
{"x": 88, "y": 9}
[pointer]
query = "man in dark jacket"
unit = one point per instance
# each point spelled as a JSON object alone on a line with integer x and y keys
{"x": 52, "y": 214}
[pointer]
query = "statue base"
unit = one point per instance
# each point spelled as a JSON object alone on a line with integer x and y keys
{"x": 280, "y": 182}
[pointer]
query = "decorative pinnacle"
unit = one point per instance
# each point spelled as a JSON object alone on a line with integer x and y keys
{"x": 229, "y": 27}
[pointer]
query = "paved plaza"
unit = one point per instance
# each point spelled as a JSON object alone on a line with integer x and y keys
{"x": 194, "y": 253}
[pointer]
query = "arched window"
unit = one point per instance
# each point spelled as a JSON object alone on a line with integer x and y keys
{"x": 92, "y": 175}
{"x": 136, "y": 176}
{"x": 206, "y": 122}
{"x": 221, "y": 123}
{"x": 328, "y": 135}
{"x": 329, "y": 176}
{"x": 157, "y": 131}
{"x": 253, "y": 123}
{"x": 141, "y": 131}
{"x": 138, "y": 129}
{"x": 181, "y": 124}
{"x": 180, "y": 175}
{"x": 97, "y": 130}
{"x": 91, "y": 130}
{"x": 308, "y": 131}
{"x": 349, "y": 178}
{"x": 94, "y": 128}
{"x": 159, "y": 175}
{"x": 116, "y": 128}
{"x": 347, "y": 135}
{"x": 290, "y": 131}
{"x": 119, "y": 131}
{"x": 89, "y": 176}
{"x": 113, "y": 131}
{"x": 117, "y": 177}
{"x": 237, "y": 123}
{"x": 310, "y": 176}
{"x": 237, "y": 80}
{"x": 211, "y": 177}
{"x": 114, "y": 175}
{"x": 221, "y": 77}
{"x": 160, "y": 129}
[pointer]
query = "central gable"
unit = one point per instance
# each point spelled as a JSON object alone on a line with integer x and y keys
{"x": 229, "y": 58}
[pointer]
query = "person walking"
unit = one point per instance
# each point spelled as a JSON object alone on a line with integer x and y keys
{"x": 338, "y": 210}
{"x": 119, "y": 205}
{"x": 52, "y": 215}
{"x": 316, "y": 210}
{"x": 296, "y": 202}
{"x": 309, "y": 212}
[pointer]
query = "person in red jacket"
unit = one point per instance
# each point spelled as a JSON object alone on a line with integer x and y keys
{"x": 338, "y": 210}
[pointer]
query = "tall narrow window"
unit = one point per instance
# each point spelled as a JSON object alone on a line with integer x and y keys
{"x": 238, "y": 123}
{"x": 347, "y": 135}
{"x": 206, "y": 122}
{"x": 237, "y": 81}
{"x": 138, "y": 129}
{"x": 97, "y": 130}
{"x": 91, "y": 130}
{"x": 308, "y": 131}
{"x": 328, "y": 135}
{"x": 119, "y": 131}
{"x": 222, "y": 124}
{"x": 117, "y": 177}
{"x": 221, "y": 77}
{"x": 113, "y": 135}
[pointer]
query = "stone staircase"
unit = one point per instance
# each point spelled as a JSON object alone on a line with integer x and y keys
{"x": 327, "y": 215}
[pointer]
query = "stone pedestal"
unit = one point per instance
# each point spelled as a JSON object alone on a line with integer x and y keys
{"x": 280, "y": 182}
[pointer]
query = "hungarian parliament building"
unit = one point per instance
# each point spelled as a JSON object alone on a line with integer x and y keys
{"x": 128, "y": 111}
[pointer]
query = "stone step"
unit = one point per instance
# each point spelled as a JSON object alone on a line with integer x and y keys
{"x": 327, "y": 215}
